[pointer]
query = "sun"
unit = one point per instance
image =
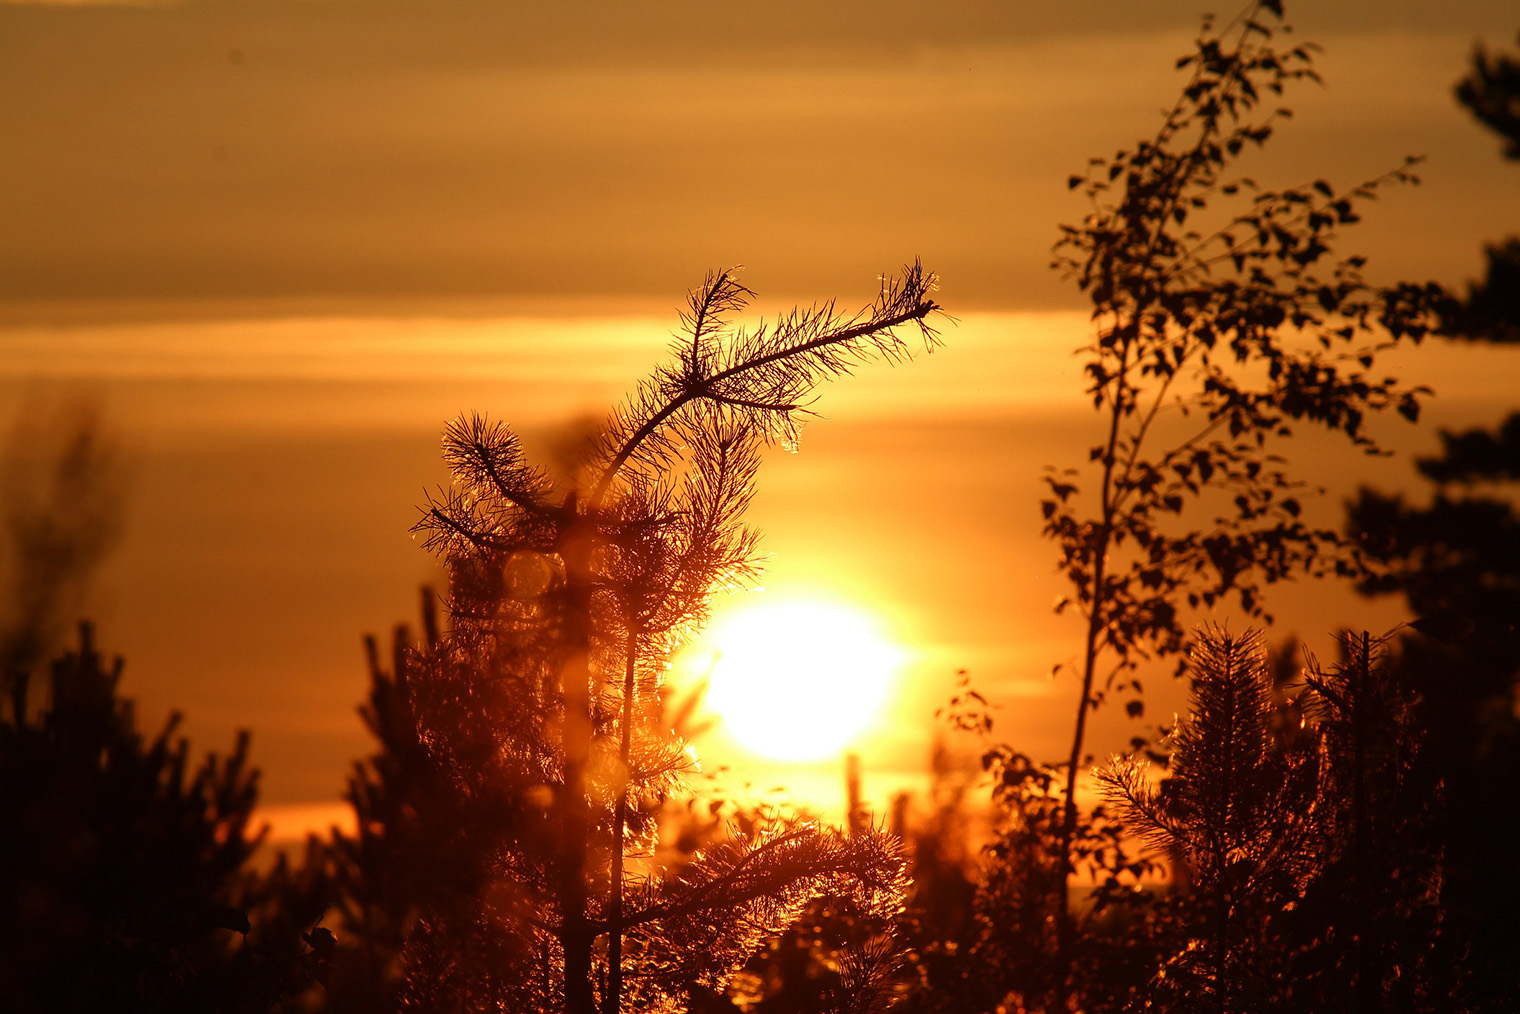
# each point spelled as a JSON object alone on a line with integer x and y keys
{"x": 799, "y": 680}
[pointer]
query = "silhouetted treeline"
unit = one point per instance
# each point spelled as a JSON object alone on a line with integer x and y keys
{"x": 1313, "y": 844}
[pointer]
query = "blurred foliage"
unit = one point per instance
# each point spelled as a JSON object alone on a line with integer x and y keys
{"x": 1491, "y": 92}
{"x": 62, "y": 494}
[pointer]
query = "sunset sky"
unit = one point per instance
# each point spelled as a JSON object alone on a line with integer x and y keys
{"x": 280, "y": 242}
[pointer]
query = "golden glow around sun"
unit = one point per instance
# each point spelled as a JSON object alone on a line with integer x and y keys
{"x": 799, "y": 680}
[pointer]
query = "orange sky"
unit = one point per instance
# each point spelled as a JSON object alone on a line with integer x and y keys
{"x": 403, "y": 152}
{"x": 283, "y": 241}
{"x": 277, "y": 466}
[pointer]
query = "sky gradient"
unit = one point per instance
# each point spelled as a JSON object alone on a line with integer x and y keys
{"x": 395, "y": 152}
{"x": 282, "y": 242}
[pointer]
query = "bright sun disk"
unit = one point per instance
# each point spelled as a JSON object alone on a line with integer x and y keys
{"x": 800, "y": 680}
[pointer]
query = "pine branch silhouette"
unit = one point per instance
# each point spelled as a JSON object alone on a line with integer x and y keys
{"x": 1242, "y": 813}
{"x": 541, "y": 705}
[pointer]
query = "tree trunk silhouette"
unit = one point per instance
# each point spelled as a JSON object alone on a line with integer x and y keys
{"x": 575, "y": 933}
{"x": 612, "y": 1003}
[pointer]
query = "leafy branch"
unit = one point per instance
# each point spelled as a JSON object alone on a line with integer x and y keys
{"x": 1213, "y": 343}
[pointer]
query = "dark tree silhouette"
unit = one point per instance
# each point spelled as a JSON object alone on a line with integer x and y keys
{"x": 1491, "y": 309}
{"x": 1300, "y": 819}
{"x": 1225, "y": 322}
{"x": 124, "y": 885}
{"x": 1491, "y": 90}
{"x": 1363, "y": 934}
{"x": 400, "y": 859}
{"x": 1240, "y": 811}
{"x": 532, "y": 729}
{"x": 1455, "y": 559}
